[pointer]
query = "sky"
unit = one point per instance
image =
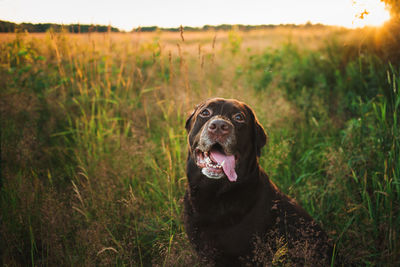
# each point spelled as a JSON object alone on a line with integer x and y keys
{"x": 125, "y": 14}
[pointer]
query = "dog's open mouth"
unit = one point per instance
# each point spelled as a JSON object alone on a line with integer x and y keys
{"x": 216, "y": 164}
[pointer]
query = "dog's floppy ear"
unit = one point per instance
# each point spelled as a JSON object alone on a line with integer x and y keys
{"x": 260, "y": 136}
{"x": 188, "y": 124}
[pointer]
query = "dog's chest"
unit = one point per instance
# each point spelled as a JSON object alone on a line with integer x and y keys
{"x": 236, "y": 238}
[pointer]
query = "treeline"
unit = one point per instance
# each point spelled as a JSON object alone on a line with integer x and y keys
{"x": 223, "y": 27}
{"x": 6, "y": 26}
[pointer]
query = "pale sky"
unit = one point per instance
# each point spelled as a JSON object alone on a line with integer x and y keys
{"x": 126, "y": 14}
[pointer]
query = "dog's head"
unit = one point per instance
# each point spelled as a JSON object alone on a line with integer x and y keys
{"x": 225, "y": 138}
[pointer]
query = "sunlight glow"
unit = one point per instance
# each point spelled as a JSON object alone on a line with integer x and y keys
{"x": 369, "y": 13}
{"x": 127, "y": 14}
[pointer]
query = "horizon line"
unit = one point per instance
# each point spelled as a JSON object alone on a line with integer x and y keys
{"x": 310, "y": 23}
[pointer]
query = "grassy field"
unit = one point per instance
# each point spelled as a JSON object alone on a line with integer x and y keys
{"x": 93, "y": 143}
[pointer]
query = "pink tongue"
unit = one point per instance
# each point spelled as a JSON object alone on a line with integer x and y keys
{"x": 227, "y": 162}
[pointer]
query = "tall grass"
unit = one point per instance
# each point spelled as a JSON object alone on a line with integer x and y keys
{"x": 343, "y": 161}
{"x": 93, "y": 144}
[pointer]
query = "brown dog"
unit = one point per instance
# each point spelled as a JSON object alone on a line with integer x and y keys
{"x": 234, "y": 215}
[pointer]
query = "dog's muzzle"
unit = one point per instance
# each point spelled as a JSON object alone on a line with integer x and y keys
{"x": 215, "y": 151}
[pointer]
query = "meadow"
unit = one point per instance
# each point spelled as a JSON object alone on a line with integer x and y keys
{"x": 93, "y": 144}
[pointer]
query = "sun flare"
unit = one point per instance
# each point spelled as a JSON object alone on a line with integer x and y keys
{"x": 369, "y": 13}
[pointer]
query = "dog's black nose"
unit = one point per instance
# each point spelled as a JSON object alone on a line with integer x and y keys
{"x": 219, "y": 126}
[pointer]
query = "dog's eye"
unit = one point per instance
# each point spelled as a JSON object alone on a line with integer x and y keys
{"x": 205, "y": 113}
{"x": 239, "y": 117}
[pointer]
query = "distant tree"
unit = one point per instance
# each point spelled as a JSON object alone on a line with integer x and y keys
{"x": 389, "y": 35}
{"x": 147, "y": 29}
{"x": 6, "y": 26}
{"x": 394, "y": 7}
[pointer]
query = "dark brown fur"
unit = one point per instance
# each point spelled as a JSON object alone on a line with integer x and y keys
{"x": 248, "y": 222}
